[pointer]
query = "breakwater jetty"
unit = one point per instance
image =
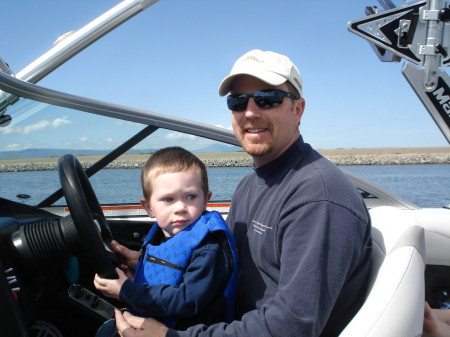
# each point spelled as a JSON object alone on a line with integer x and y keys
{"x": 341, "y": 157}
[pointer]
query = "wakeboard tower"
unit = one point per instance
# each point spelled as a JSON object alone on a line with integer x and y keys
{"x": 419, "y": 33}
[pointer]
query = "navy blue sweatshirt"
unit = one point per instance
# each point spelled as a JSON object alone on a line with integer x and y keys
{"x": 304, "y": 239}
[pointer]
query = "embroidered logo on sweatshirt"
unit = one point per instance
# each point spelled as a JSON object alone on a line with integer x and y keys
{"x": 259, "y": 227}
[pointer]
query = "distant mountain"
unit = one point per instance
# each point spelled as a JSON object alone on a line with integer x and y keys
{"x": 42, "y": 153}
{"x": 219, "y": 148}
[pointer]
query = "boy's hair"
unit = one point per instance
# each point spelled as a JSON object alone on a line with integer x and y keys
{"x": 171, "y": 160}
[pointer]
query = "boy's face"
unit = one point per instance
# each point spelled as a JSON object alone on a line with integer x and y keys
{"x": 176, "y": 202}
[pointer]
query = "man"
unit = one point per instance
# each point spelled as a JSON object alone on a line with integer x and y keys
{"x": 302, "y": 230}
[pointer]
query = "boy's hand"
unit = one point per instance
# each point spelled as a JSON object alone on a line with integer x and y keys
{"x": 129, "y": 258}
{"x": 110, "y": 288}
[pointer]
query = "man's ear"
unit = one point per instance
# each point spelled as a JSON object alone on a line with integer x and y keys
{"x": 299, "y": 109}
{"x": 146, "y": 205}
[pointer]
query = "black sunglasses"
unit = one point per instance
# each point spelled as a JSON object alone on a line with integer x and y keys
{"x": 263, "y": 99}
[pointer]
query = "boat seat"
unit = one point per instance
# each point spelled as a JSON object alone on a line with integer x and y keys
{"x": 395, "y": 300}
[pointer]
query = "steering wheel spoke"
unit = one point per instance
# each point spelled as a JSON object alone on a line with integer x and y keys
{"x": 87, "y": 216}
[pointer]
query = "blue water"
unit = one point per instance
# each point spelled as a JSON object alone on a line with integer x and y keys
{"x": 423, "y": 185}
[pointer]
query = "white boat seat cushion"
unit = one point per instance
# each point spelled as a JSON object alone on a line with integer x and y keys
{"x": 395, "y": 299}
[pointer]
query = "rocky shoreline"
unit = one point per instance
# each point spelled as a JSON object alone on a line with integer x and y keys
{"x": 244, "y": 160}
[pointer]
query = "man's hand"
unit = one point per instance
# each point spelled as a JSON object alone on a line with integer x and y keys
{"x": 110, "y": 288}
{"x": 436, "y": 322}
{"x": 129, "y": 258}
{"x": 132, "y": 326}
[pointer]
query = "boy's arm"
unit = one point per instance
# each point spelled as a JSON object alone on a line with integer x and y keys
{"x": 204, "y": 276}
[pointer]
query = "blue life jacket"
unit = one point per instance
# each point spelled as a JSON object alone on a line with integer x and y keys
{"x": 166, "y": 263}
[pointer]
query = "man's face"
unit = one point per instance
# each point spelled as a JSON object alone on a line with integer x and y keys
{"x": 265, "y": 133}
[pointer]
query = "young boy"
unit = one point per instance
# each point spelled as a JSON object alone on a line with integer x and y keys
{"x": 187, "y": 268}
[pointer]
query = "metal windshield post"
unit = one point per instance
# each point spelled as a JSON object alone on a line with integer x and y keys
{"x": 433, "y": 40}
{"x": 70, "y": 44}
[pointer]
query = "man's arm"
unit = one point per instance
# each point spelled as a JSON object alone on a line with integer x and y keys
{"x": 320, "y": 244}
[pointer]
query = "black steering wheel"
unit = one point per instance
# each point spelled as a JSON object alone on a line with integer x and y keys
{"x": 87, "y": 216}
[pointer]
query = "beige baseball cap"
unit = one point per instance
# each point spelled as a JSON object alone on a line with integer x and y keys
{"x": 270, "y": 67}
